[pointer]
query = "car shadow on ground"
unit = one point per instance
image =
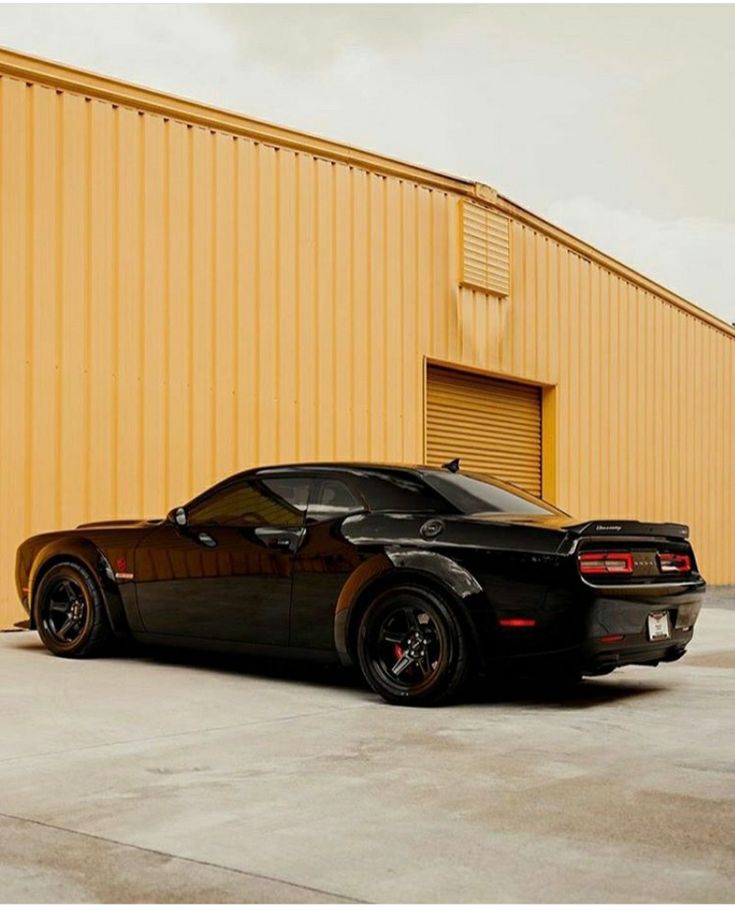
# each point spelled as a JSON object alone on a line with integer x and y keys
{"x": 524, "y": 691}
{"x": 589, "y": 693}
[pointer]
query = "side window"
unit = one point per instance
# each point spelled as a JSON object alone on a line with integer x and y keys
{"x": 292, "y": 490}
{"x": 331, "y": 498}
{"x": 280, "y": 502}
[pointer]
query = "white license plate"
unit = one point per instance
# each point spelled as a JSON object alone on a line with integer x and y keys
{"x": 658, "y": 626}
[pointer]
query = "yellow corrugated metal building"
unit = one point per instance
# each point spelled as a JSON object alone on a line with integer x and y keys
{"x": 185, "y": 292}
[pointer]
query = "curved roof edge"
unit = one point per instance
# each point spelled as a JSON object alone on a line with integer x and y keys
{"x": 62, "y": 76}
{"x": 586, "y": 250}
{"x": 117, "y": 91}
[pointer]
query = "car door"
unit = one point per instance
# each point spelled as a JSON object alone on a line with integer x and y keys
{"x": 323, "y": 562}
{"x": 227, "y": 573}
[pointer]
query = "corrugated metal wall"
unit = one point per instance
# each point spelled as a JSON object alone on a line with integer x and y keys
{"x": 177, "y": 303}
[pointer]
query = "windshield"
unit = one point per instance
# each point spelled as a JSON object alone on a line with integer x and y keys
{"x": 472, "y": 493}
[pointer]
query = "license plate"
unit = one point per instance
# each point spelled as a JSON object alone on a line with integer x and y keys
{"x": 658, "y": 626}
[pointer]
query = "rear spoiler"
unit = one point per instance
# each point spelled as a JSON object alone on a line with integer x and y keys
{"x": 628, "y": 528}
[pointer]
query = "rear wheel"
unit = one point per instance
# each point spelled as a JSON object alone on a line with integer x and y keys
{"x": 412, "y": 649}
{"x": 69, "y": 612}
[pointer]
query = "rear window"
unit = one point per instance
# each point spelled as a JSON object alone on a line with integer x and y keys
{"x": 472, "y": 493}
{"x": 397, "y": 492}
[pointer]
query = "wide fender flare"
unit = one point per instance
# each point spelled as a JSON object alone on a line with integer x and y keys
{"x": 82, "y": 550}
{"x": 437, "y": 569}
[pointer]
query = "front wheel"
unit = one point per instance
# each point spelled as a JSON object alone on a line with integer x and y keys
{"x": 412, "y": 649}
{"x": 69, "y": 612}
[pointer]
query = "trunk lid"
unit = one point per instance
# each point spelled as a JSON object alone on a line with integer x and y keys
{"x": 625, "y": 551}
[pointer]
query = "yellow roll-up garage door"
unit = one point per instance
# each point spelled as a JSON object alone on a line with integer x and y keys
{"x": 492, "y": 425}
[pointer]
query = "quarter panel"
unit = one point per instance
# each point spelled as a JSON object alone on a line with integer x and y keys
{"x": 493, "y": 569}
{"x": 100, "y": 553}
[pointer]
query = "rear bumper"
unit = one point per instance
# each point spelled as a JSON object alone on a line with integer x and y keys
{"x": 609, "y": 629}
{"x": 617, "y": 630}
{"x": 594, "y": 658}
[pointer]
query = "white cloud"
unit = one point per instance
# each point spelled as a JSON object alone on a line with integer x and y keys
{"x": 695, "y": 257}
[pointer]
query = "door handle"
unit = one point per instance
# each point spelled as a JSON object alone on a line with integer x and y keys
{"x": 279, "y": 539}
{"x": 283, "y": 543}
{"x": 205, "y": 539}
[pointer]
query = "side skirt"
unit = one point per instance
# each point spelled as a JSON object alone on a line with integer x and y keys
{"x": 237, "y": 647}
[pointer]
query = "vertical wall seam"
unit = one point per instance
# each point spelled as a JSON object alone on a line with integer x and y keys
{"x": 59, "y": 309}
{"x": 419, "y": 381}
{"x": 166, "y": 341}
{"x": 255, "y": 392}
{"x": 315, "y": 309}
{"x": 352, "y": 340}
{"x": 115, "y": 469}
{"x": 297, "y": 302}
{"x": 431, "y": 302}
{"x": 190, "y": 307}
{"x": 369, "y": 314}
{"x": 236, "y": 454}
{"x": 87, "y": 418}
{"x": 451, "y": 314}
{"x": 30, "y": 310}
{"x": 402, "y": 314}
{"x": 335, "y": 312}
{"x": 276, "y": 402}
{"x": 141, "y": 305}
{"x": 213, "y": 270}
{"x": 386, "y": 311}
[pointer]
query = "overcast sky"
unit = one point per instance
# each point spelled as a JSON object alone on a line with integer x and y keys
{"x": 616, "y": 122}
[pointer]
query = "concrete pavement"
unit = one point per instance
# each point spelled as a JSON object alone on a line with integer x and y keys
{"x": 172, "y": 777}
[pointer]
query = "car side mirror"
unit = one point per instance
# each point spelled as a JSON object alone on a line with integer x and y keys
{"x": 178, "y": 516}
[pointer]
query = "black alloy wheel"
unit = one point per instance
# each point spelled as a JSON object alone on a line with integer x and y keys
{"x": 411, "y": 648}
{"x": 65, "y": 611}
{"x": 70, "y": 613}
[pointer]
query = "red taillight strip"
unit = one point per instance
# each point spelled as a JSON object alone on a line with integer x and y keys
{"x": 675, "y": 562}
{"x": 610, "y": 563}
{"x": 517, "y": 622}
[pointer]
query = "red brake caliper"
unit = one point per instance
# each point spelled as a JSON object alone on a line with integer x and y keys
{"x": 397, "y": 652}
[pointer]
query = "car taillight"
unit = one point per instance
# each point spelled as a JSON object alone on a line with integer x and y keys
{"x": 606, "y": 563}
{"x": 674, "y": 562}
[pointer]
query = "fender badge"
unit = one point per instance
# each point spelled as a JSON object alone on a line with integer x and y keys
{"x": 121, "y": 570}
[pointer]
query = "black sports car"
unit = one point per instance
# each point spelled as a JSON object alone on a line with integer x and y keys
{"x": 419, "y": 575}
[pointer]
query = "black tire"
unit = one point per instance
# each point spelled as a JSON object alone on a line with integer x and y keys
{"x": 412, "y": 649}
{"x": 70, "y": 613}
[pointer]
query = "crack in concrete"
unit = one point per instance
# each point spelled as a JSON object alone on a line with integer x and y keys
{"x": 176, "y": 856}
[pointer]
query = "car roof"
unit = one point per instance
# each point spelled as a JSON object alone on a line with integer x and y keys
{"x": 344, "y": 467}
